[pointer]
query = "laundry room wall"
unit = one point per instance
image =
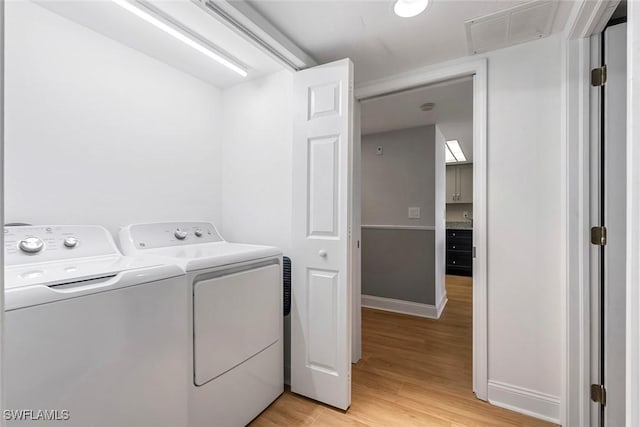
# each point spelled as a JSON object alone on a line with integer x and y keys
{"x": 398, "y": 253}
{"x": 525, "y": 255}
{"x": 257, "y": 168}
{"x": 98, "y": 133}
{"x": 257, "y": 164}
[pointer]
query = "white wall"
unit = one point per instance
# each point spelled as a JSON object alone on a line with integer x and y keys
{"x": 257, "y": 166}
{"x": 525, "y": 281}
{"x": 99, "y": 133}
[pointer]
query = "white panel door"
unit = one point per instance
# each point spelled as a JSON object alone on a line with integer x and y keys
{"x": 321, "y": 294}
{"x": 614, "y": 198}
{"x": 356, "y": 236}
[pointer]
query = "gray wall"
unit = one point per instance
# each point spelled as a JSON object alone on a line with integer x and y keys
{"x": 403, "y": 176}
{"x": 399, "y": 263}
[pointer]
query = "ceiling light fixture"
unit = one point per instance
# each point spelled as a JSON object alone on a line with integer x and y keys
{"x": 449, "y": 158}
{"x": 158, "y": 23}
{"x": 453, "y": 146}
{"x": 409, "y": 8}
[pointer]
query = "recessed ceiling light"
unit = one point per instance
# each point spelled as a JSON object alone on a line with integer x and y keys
{"x": 448, "y": 155}
{"x": 158, "y": 23}
{"x": 454, "y": 146}
{"x": 409, "y": 8}
{"x": 428, "y": 106}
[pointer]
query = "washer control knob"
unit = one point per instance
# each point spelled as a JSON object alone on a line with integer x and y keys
{"x": 70, "y": 242}
{"x": 31, "y": 245}
{"x": 198, "y": 232}
{"x": 180, "y": 234}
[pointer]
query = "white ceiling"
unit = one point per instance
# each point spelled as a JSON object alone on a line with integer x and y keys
{"x": 377, "y": 41}
{"x": 453, "y": 112}
{"x": 112, "y": 21}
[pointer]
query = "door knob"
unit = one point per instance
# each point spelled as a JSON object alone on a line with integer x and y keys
{"x": 322, "y": 253}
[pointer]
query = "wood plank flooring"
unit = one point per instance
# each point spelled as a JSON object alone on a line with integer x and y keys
{"x": 414, "y": 372}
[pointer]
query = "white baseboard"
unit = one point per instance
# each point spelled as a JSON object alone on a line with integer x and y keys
{"x": 441, "y": 304}
{"x": 405, "y": 307}
{"x": 529, "y": 402}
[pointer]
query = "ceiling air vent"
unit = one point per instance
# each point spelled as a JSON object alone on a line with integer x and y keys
{"x": 519, "y": 24}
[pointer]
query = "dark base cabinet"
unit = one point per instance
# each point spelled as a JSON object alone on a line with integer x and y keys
{"x": 459, "y": 252}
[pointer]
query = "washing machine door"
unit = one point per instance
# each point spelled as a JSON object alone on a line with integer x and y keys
{"x": 236, "y": 315}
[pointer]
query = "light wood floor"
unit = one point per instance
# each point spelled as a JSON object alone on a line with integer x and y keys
{"x": 413, "y": 372}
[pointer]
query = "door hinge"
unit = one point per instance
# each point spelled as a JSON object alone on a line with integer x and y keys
{"x": 599, "y": 394}
{"x": 473, "y": 252}
{"x": 599, "y": 235}
{"x": 599, "y": 76}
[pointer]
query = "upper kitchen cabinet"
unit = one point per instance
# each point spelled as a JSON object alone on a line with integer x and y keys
{"x": 460, "y": 183}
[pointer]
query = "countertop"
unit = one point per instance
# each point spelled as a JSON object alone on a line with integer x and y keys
{"x": 459, "y": 225}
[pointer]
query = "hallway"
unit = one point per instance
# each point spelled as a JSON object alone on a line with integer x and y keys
{"x": 414, "y": 372}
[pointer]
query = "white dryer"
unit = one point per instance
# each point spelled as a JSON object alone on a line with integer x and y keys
{"x": 235, "y": 315}
{"x": 92, "y": 338}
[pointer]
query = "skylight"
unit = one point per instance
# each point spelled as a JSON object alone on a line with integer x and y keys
{"x": 453, "y": 152}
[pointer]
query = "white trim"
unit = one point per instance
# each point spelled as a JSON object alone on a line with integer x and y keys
{"x": 399, "y": 227}
{"x": 586, "y": 18}
{"x": 576, "y": 215}
{"x": 2, "y": 108}
{"x": 633, "y": 213}
{"x": 430, "y": 75}
{"x": 525, "y": 401}
{"x": 442, "y": 303}
{"x": 589, "y": 17}
{"x": 270, "y": 39}
{"x": 405, "y": 307}
{"x": 476, "y": 67}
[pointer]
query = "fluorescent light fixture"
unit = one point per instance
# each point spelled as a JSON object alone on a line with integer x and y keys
{"x": 453, "y": 146}
{"x": 409, "y": 8}
{"x": 449, "y": 158}
{"x": 148, "y": 17}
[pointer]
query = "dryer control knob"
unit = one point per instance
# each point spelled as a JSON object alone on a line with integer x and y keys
{"x": 71, "y": 242}
{"x": 31, "y": 245}
{"x": 179, "y": 234}
{"x": 198, "y": 233}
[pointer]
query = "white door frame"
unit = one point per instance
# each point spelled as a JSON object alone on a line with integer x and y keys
{"x": 633, "y": 213}
{"x": 589, "y": 18}
{"x": 2, "y": 205}
{"x": 476, "y": 67}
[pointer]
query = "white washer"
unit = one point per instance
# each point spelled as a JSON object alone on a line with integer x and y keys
{"x": 235, "y": 313}
{"x": 92, "y": 338}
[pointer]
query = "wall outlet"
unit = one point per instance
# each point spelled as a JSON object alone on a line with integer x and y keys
{"x": 414, "y": 213}
{"x": 379, "y": 150}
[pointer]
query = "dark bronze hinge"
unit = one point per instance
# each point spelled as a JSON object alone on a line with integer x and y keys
{"x": 599, "y": 76}
{"x": 599, "y": 235}
{"x": 599, "y": 394}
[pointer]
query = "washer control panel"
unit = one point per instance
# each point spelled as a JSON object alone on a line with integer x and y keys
{"x": 26, "y": 244}
{"x": 160, "y": 235}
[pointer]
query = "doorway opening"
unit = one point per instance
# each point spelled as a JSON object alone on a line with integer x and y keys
{"x": 409, "y": 130}
{"x": 417, "y": 232}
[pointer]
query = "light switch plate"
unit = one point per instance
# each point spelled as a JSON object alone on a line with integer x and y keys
{"x": 414, "y": 213}
{"x": 379, "y": 150}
